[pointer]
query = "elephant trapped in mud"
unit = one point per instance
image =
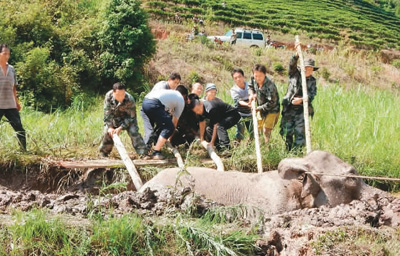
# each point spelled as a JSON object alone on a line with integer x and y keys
{"x": 296, "y": 184}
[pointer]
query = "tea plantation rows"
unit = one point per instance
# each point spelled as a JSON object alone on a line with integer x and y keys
{"x": 361, "y": 23}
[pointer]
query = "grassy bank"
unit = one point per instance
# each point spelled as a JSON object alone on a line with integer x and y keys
{"x": 38, "y": 233}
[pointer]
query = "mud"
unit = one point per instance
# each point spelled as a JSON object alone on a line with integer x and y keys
{"x": 79, "y": 193}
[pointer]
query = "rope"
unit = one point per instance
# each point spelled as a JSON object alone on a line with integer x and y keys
{"x": 358, "y": 176}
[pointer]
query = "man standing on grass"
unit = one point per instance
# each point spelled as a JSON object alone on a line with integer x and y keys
{"x": 292, "y": 123}
{"x": 9, "y": 105}
{"x": 120, "y": 114}
{"x": 163, "y": 108}
{"x": 265, "y": 92}
{"x": 240, "y": 96}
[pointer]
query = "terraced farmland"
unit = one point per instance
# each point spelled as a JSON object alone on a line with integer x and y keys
{"x": 361, "y": 23}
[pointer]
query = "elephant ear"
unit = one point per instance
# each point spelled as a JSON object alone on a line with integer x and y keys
{"x": 310, "y": 186}
{"x": 292, "y": 168}
{"x": 299, "y": 169}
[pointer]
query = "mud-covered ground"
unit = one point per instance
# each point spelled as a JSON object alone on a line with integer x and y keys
{"x": 300, "y": 232}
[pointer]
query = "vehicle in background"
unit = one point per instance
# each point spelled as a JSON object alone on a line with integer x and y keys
{"x": 245, "y": 37}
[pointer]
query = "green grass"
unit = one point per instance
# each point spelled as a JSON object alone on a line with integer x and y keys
{"x": 366, "y": 24}
{"x": 38, "y": 233}
{"x": 356, "y": 241}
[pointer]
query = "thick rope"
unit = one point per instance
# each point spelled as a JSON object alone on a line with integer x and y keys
{"x": 357, "y": 176}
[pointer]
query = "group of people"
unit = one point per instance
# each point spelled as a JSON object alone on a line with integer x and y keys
{"x": 171, "y": 114}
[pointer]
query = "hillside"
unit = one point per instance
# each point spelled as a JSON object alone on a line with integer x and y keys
{"x": 361, "y": 23}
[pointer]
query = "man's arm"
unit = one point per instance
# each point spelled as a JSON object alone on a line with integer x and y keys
{"x": 293, "y": 65}
{"x": 214, "y": 135}
{"x": 202, "y": 129}
{"x": 16, "y": 98}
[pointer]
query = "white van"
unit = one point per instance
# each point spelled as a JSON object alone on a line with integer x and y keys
{"x": 246, "y": 37}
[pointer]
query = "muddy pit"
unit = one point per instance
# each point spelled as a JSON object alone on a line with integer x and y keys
{"x": 79, "y": 192}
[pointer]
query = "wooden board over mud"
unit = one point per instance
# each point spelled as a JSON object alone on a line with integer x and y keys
{"x": 116, "y": 163}
{"x": 111, "y": 163}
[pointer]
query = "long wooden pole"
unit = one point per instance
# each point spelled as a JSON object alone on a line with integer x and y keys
{"x": 256, "y": 137}
{"x": 305, "y": 96}
{"x": 137, "y": 181}
{"x": 177, "y": 155}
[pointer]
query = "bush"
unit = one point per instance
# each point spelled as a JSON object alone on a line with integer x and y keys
{"x": 194, "y": 77}
{"x": 325, "y": 73}
{"x": 278, "y": 67}
{"x": 396, "y": 63}
{"x": 126, "y": 43}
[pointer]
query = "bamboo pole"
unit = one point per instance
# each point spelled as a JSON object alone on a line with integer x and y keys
{"x": 137, "y": 181}
{"x": 178, "y": 156}
{"x": 218, "y": 162}
{"x": 305, "y": 96}
{"x": 256, "y": 137}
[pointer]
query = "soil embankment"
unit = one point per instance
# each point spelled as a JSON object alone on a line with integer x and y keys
{"x": 78, "y": 193}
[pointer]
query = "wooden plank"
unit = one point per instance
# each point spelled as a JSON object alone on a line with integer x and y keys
{"x": 110, "y": 163}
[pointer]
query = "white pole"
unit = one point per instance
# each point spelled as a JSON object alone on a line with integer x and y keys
{"x": 305, "y": 96}
{"x": 214, "y": 156}
{"x": 176, "y": 154}
{"x": 128, "y": 162}
{"x": 256, "y": 137}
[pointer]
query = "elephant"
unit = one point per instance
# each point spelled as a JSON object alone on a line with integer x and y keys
{"x": 298, "y": 183}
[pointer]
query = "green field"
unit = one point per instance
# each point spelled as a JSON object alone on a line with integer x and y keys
{"x": 364, "y": 24}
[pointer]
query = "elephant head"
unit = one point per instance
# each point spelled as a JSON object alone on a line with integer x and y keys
{"x": 322, "y": 180}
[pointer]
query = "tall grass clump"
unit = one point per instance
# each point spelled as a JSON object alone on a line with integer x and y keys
{"x": 360, "y": 127}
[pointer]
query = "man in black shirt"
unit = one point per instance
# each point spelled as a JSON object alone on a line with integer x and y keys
{"x": 222, "y": 116}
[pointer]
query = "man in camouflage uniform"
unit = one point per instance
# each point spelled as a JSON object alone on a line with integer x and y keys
{"x": 265, "y": 92}
{"x": 120, "y": 114}
{"x": 292, "y": 123}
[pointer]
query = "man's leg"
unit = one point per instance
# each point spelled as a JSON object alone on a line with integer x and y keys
{"x": 250, "y": 128}
{"x": 157, "y": 114}
{"x": 299, "y": 131}
{"x": 136, "y": 138}
{"x": 15, "y": 120}
{"x": 287, "y": 130}
{"x": 223, "y": 127}
{"x": 269, "y": 123}
{"x": 148, "y": 128}
{"x": 239, "y": 131}
{"x": 107, "y": 143}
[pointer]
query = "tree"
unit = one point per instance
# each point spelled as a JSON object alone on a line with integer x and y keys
{"x": 126, "y": 42}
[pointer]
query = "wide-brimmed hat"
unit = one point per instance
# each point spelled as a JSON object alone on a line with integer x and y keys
{"x": 310, "y": 63}
{"x": 210, "y": 86}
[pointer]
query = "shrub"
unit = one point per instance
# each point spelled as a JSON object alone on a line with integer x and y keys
{"x": 325, "y": 73}
{"x": 396, "y": 63}
{"x": 278, "y": 67}
{"x": 126, "y": 42}
{"x": 193, "y": 77}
